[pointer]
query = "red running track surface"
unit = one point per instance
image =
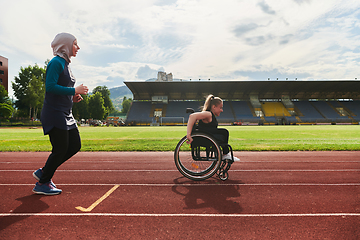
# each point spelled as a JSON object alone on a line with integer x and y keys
{"x": 141, "y": 195}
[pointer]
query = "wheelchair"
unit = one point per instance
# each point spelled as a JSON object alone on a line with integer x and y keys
{"x": 202, "y": 158}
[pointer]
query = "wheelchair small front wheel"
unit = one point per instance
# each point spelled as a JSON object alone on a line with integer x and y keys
{"x": 223, "y": 175}
{"x": 199, "y": 160}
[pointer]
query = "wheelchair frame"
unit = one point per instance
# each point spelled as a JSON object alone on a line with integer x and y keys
{"x": 204, "y": 158}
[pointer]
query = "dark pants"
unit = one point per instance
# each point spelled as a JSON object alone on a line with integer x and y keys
{"x": 222, "y": 137}
{"x": 65, "y": 144}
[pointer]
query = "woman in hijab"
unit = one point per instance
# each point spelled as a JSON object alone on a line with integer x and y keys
{"x": 56, "y": 116}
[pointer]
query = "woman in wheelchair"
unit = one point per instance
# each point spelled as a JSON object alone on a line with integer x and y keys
{"x": 208, "y": 124}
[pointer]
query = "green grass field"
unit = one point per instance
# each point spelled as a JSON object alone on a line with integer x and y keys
{"x": 242, "y": 138}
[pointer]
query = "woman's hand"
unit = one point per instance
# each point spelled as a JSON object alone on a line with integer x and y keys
{"x": 81, "y": 89}
{"x": 77, "y": 98}
{"x": 189, "y": 139}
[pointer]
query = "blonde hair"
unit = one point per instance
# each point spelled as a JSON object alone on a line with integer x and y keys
{"x": 210, "y": 101}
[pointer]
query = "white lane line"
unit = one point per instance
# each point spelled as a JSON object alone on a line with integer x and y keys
{"x": 178, "y": 215}
{"x": 190, "y": 184}
{"x": 157, "y": 161}
{"x": 175, "y": 170}
{"x": 242, "y": 162}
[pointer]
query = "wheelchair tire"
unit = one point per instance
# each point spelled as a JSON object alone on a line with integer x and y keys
{"x": 199, "y": 168}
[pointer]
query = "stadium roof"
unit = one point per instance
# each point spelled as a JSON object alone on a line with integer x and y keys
{"x": 238, "y": 89}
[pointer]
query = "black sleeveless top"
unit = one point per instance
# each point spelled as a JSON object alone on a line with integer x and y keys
{"x": 208, "y": 126}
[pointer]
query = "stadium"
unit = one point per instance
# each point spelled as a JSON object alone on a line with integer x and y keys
{"x": 271, "y": 102}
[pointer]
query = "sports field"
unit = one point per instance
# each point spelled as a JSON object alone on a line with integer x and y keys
{"x": 242, "y": 138}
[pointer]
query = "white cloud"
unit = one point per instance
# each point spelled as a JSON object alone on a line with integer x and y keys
{"x": 314, "y": 39}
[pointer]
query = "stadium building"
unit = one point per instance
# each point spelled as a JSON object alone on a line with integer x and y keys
{"x": 247, "y": 102}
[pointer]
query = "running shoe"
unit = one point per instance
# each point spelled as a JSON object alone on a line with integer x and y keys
{"x": 228, "y": 156}
{"x": 46, "y": 189}
{"x": 37, "y": 175}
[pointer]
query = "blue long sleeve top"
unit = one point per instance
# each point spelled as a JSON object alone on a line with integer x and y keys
{"x": 55, "y": 67}
{"x": 58, "y": 102}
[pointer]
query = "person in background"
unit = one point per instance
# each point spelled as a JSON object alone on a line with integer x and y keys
{"x": 56, "y": 116}
{"x": 207, "y": 123}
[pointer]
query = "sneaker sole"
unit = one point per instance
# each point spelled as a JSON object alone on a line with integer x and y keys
{"x": 43, "y": 193}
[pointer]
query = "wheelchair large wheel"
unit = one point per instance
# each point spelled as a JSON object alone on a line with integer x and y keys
{"x": 200, "y": 160}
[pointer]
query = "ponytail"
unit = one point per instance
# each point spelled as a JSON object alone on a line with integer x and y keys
{"x": 210, "y": 101}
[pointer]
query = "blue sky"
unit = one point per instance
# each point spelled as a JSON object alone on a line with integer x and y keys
{"x": 192, "y": 39}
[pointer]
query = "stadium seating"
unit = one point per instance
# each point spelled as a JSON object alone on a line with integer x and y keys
{"x": 178, "y": 108}
{"x": 139, "y": 113}
{"x": 353, "y": 106}
{"x": 242, "y": 110}
{"x": 327, "y": 111}
{"x": 310, "y": 114}
{"x": 274, "y": 112}
{"x": 291, "y": 120}
{"x": 274, "y": 109}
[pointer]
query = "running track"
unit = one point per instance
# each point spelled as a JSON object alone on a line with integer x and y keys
{"x": 141, "y": 195}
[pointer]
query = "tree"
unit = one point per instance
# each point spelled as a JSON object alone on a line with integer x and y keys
{"x": 116, "y": 113}
{"x": 105, "y": 93}
{"x": 6, "y": 108}
{"x": 96, "y": 106}
{"x": 126, "y": 104}
{"x": 35, "y": 95}
{"x": 29, "y": 89}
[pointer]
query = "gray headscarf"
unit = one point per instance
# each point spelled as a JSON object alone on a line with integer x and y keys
{"x": 62, "y": 45}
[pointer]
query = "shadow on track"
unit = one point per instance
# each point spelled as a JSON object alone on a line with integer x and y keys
{"x": 29, "y": 204}
{"x": 216, "y": 195}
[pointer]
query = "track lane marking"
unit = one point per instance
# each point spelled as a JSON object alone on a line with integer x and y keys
{"x": 183, "y": 214}
{"x": 175, "y": 170}
{"x": 264, "y": 161}
{"x": 192, "y": 184}
{"x": 89, "y": 209}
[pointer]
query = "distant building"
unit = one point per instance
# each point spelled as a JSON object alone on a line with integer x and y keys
{"x": 163, "y": 77}
{"x": 4, "y": 72}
